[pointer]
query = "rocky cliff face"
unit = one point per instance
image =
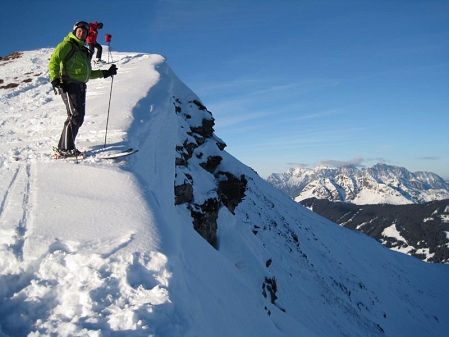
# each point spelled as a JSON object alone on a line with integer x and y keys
{"x": 379, "y": 184}
{"x": 199, "y": 159}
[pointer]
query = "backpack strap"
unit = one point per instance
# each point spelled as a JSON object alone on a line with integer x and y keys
{"x": 62, "y": 73}
{"x": 73, "y": 49}
{"x": 70, "y": 53}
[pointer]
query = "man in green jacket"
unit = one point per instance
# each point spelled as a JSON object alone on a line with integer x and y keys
{"x": 70, "y": 69}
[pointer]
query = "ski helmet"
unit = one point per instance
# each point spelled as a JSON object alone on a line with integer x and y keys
{"x": 100, "y": 25}
{"x": 81, "y": 24}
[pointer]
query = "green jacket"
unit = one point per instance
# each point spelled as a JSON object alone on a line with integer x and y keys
{"x": 76, "y": 68}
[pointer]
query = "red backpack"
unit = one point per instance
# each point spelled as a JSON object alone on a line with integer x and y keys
{"x": 93, "y": 32}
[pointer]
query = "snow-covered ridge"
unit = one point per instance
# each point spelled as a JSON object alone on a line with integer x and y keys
{"x": 103, "y": 248}
{"x": 379, "y": 184}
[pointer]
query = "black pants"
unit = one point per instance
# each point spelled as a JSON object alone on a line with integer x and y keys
{"x": 99, "y": 49}
{"x": 74, "y": 97}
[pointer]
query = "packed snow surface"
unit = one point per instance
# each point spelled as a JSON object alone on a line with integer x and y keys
{"x": 98, "y": 248}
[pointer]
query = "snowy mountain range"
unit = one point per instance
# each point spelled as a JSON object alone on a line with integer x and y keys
{"x": 179, "y": 239}
{"x": 380, "y": 184}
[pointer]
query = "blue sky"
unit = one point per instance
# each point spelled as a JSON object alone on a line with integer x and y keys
{"x": 289, "y": 82}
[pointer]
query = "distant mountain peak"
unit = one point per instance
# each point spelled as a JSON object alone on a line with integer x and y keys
{"x": 381, "y": 183}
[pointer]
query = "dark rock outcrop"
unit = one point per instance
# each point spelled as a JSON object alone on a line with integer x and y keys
{"x": 198, "y": 163}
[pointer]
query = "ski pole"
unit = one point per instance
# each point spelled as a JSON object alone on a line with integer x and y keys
{"x": 109, "y": 107}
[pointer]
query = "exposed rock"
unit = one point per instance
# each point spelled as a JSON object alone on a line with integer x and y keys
{"x": 270, "y": 285}
{"x": 226, "y": 189}
{"x": 231, "y": 189}
{"x": 199, "y": 104}
{"x": 206, "y": 129}
{"x": 189, "y": 147}
{"x": 12, "y": 56}
{"x": 211, "y": 164}
{"x": 205, "y": 219}
{"x": 183, "y": 194}
{"x": 220, "y": 144}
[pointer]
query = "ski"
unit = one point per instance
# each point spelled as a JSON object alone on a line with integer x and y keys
{"x": 113, "y": 155}
{"x": 104, "y": 155}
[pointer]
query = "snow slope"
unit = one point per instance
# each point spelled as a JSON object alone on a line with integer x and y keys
{"x": 100, "y": 249}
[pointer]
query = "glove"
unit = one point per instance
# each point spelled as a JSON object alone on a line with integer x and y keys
{"x": 110, "y": 72}
{"x": 56, "y": 83}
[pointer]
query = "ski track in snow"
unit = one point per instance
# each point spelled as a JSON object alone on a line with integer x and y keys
{"x": 14, "y": 210}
